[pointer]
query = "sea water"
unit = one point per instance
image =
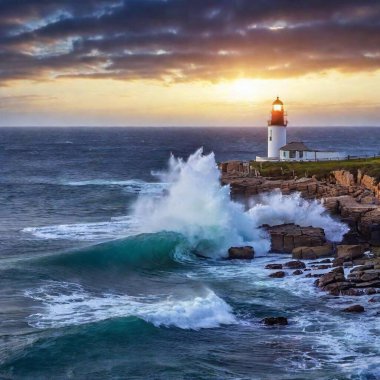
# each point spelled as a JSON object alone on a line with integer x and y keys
{"x": 101, "y": 234}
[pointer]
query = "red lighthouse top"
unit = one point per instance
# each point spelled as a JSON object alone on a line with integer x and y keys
{"x": 278, "y": 115}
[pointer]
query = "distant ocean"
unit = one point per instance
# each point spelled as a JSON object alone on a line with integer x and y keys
{"x": 99, "y": 277}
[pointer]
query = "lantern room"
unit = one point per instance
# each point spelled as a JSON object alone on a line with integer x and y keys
{"x": 278, "y": 115}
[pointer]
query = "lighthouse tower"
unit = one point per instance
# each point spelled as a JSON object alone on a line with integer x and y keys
{"x": 277, "y": 129}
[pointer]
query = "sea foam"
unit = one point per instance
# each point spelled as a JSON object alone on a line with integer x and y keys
{"x": 67, "y": 304}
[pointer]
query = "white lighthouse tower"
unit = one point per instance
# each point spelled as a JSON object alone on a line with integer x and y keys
{"x": 276, "y": 129}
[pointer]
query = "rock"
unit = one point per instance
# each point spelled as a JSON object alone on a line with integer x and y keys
{"x": 321, "y": 267}
{"x": 286, "y": 237}
{"x": 297, "y": 272}
{"x": 315, "y": 275}
{"x": 361, "y": 268}
{"x": 279, "y": 274}
{"x": 337, "y": 288}
{"x": 374, "y": 299}
{"x": 338, "y": 262}
{"x": 349, "y": 252}
{"x": 336, "y": 275}
{"x": 241, "y": 253}
{"x": 271, "y": 321}
{"x": 295, "y": 265}
{"x": 273, "y": 266}
{"x": 313, "y": 253}
{"x": 354, "y": 309}
{"x": 369, "y": 226}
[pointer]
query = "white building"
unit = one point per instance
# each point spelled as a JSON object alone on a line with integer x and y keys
{"x": 298, "y": 151}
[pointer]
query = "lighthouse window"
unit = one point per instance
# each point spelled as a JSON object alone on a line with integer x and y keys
{"x": 270, "y": 135}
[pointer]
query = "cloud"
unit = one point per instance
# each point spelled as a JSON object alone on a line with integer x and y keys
{"x": 183, "y": 40}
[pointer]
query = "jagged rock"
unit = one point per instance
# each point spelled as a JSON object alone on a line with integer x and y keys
{"x": 271, "y": 321}
{"x": 313, "y": 253}
{"x": 286, "y": 237}
{"x": 241, "y": 253}
{"x": 369, "y": 226}
{"x": 295, "y": 265}
{"x": 278, "y": 274}
{"x": 338, "y": 262}
{"x": 336, "y": 275}
{"x": 273, "y": 266}
{"x": 349, "y": 252}
{"x": 336, "y": 288}
{"x": 297, "y": 272}
{"x": 354, "y": 309}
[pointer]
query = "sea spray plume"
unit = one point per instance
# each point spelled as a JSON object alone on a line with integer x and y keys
{"x": 198, "y": 207}
{"x": 275, "y": 208}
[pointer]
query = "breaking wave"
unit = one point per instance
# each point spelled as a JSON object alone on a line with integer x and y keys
{"x": 196, "y": 206}
{"x": 67, "y": 304}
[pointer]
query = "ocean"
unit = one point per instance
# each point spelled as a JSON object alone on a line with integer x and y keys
{"x": 101, "y": 278}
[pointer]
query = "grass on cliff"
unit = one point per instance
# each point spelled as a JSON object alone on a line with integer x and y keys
{"x": 321, "y": 169}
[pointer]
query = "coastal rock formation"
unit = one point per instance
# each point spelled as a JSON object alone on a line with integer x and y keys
{"x": 361, "y": 280}
{"x": 285, "y": 238}
{"x": 349, "y": 252}
{"x": 241, "y": 253}
{"x": 313, "y": 253}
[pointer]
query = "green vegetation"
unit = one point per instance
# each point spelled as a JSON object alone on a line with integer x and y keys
{"x": 320, "y": 169}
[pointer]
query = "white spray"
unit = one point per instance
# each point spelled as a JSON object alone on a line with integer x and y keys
{"x": 197, "y": 206}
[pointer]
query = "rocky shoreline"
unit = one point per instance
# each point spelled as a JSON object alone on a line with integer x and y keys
{"x": 350, "y": 268}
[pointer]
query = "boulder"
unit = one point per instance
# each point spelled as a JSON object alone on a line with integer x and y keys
{"x": 271, "y": 321}
{"x": 295, "y": 265}
{"x": 354, "y": 309}
{"x": 297, "y": 272}
{"x": 241, "y": 253}
{"x": 312, "y": 253}
{"x": 273, "y": 266}
{"x": 336, "y": 275}
{"x": 286, "y": 237}
{"x": 374, "y": 299}
{"x": 278, "y": 274}
{"x": 349, "y": 252}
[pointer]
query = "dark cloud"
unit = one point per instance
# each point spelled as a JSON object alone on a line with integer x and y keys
{"x": 181, "y": 40}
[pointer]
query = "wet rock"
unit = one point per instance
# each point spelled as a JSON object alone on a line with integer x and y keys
{"x": 321, "y": 267}
{"x": 337, "y": 288}
{"x": 338, "y": 262}
{"x": 273, "y": 266}
{"x": 349, "y": 252}
{"x": 336, "y": 275}
{"x": 241, "y": 253}
{"x": 286, "y": 237}
{"x": 278, "y": 274}
{"x": 374, "y": 299}
{"x": 297, "y": 272}
{"x": 312, "y": 253}
{"x": 295, "y": 265}
{"x": 354, "y": 309}
{"x": 271, "y": 321}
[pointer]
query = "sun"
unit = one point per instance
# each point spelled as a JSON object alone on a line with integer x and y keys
{"x": 242, "y": 90}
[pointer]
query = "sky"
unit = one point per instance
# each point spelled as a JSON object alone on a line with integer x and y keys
{"x": 189, "y": 62}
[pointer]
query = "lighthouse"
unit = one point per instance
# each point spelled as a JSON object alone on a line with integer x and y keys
{"x": 276, "y": 129}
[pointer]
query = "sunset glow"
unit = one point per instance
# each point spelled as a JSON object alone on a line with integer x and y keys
{"x": 113, "y": 65}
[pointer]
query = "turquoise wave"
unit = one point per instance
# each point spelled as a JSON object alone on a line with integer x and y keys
{"x": 147, "y": 251}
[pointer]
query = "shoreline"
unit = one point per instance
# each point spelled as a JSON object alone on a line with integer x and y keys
{"x": 346, "y": 269}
